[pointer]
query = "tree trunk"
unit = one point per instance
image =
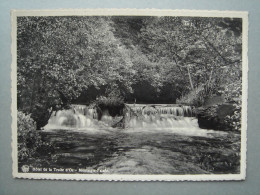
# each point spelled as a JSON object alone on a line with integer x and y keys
{"x": 191, "y": 84}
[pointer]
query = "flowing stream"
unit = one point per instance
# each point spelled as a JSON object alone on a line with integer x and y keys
{"x": 157, "y": 139}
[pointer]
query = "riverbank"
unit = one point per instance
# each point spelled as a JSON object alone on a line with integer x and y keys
{"x": 224, "y": 117}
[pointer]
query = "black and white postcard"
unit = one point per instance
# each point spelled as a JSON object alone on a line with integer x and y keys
{"x": 129, "y": 95}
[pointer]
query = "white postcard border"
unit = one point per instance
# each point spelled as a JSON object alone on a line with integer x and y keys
{"x": 133, "y": 12}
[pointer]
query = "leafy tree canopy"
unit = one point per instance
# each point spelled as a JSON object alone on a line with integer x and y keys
{"x": 59, "y": 59}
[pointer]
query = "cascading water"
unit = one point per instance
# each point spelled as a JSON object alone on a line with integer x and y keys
{"x": 171, "y": 118}
{"x": 137, "y": 117}
{"x": 161, "y": 116}
{"x": 78, "y": 117}
{"x": 106, "y": 118}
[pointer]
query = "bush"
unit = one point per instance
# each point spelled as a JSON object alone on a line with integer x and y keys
{"x": 29, "y": 139}
{"x": 195, "y": 97}
{"x": 233, "y": 93}
{"x": 112, "y": 105}
{"x": 234, "y": 120}
{"x": 110, "y": 101}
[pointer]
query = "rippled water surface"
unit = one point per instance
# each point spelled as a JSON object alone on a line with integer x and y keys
{"x": 143, "y": 152}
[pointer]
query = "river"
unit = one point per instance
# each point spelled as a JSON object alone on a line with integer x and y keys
{"x": 142, "y": 152}
{"x": 156, "y": 139}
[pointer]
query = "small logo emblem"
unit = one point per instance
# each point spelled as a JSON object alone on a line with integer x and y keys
{"x": 25, "y": 168}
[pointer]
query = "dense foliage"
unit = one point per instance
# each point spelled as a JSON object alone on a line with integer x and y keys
{"x": 130, "y": 59}
{"x": 29, "y": 139}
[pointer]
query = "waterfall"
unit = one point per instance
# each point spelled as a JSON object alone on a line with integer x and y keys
{"x": 160, "y": 116}
{"x": 170, "y": 118}
{"x": 168, "y": 109}
{"x": 85, "y": 111}
{"x": 79, "y": 117}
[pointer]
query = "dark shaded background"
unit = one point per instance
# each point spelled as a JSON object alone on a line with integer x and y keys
{"x": 11, "y": 186}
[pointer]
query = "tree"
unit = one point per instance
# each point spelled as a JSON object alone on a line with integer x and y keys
{"x": 60, "y": 57}
{"x": 201, "y": 48}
